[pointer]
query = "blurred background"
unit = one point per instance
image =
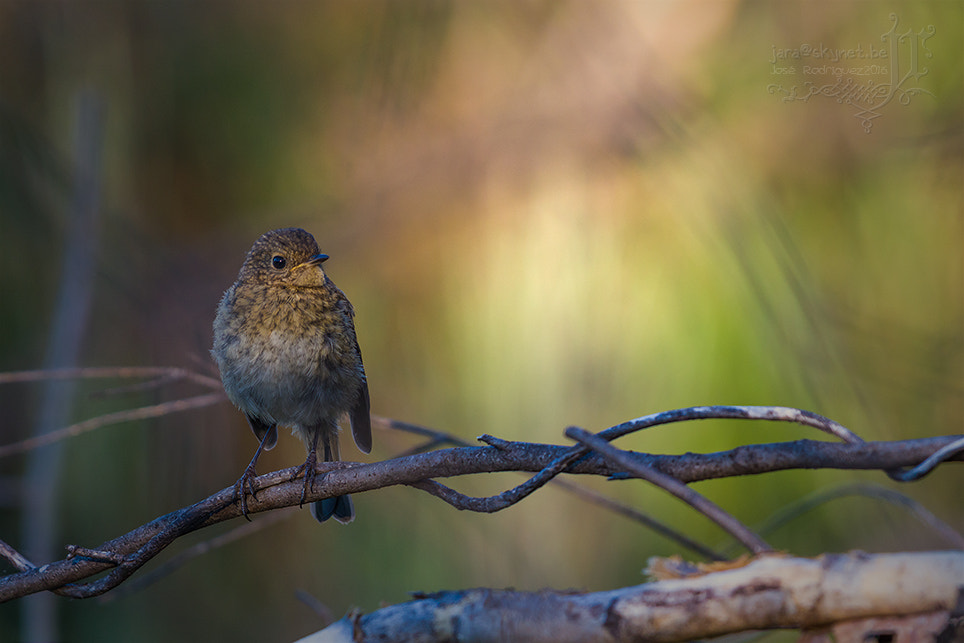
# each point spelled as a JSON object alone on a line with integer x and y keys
{"x": 545, "y": 213}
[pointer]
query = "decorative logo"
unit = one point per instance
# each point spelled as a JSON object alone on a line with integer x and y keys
{"x": 848, "y": 65}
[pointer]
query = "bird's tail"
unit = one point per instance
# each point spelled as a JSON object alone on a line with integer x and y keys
{"x": 341, "y": 508}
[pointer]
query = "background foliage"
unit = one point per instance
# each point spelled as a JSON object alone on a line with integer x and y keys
{"x": 545, "y": 214}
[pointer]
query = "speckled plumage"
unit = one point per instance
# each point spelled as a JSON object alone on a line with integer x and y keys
{"x": 284, "y": 341}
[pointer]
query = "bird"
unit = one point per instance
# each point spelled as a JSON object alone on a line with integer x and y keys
{"x": 286, "y": 348}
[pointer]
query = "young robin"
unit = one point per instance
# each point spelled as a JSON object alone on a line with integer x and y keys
{"x": 285, "y": 344}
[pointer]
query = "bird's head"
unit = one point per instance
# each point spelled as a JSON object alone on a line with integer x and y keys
{"x": 285, "y": 257}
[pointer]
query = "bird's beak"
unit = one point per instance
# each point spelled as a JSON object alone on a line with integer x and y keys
{"x": 316, "y": 260}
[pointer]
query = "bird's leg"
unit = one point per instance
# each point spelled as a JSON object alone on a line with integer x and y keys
{"x": 308, "y": 468}
{"x": 245, "y": 483}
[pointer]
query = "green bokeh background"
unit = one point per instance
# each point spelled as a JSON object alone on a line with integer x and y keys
{"x": 545, "y": 213}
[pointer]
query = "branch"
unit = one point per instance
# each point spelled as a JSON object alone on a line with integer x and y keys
{"x": 103, "y": 372}
{"x": 161, "y": 375}
{"x": 797, "y": 508}
{"x": 711, "y": 510}
{"x": 140, "y": 413}
{"x": 770, "y": 592}
{"x": 281, "y": 489}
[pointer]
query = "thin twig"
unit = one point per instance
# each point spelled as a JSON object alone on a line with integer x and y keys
{"x": 709, "y": 509}
{"x": 634, "y": 514}
{"x": 140, "y": 413}
{"x": 182, "y": 523}
{"x": 321, "y": 610}
{"x": 427, "y": 446}
{"x": 170, "y": 566}
{"x": 113, "y": 558}
{"x": 799, "y": 507}
{"x": 434, "y": 437}
{"x": 770, "y": 413}
{"x": 137, "y": 387}
{"x": 121, "y": 372}
{"x": 438, "y": 438}
{"x": 925, "y": 467}
{"x": 516, "y": 494}
{"x": 15, "y": 558}
{"x": 463, "y": 502}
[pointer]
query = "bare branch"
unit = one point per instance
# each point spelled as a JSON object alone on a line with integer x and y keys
{"x": 283, "y": 489}
{"x": 162, "y": 375}
{"x": 633, "y": 514}
{"x": 460, "y": 501}
{"x": 119, "y": 372}
{"x": 129, "y": 415}
{"x": 151, "y": 384}
{"x": 109, "y": 557}
{"x": 244, "y": 530}
{"x": 770, "y": 413}
{"x": 770, "y": 592}
{"x": 560, "y": 464}
{"x": 805, "y": 504}
{"x": 435, "y": 439}
{"x": 278, "y": 489}
{"x": 927, "y": 465}
{"x": 15, "y": 558}
{"x": 708, "y": 508}
{"x": 490, "y": 505}
{"x": 322, "y": 611}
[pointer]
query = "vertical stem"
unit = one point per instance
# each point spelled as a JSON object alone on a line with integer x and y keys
{"x": 41, "y": 497}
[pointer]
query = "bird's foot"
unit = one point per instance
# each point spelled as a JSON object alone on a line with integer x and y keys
{"x": 308, "y": 468}
{"x": 243, "y": 487}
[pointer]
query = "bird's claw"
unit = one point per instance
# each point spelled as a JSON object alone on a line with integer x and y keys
{"x": 243, "y": 487}
{"x": 308, "y": 468}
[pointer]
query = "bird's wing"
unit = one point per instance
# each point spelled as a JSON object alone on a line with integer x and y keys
{"x": 360, "y": 413}
{"x": 360, "y": 417}
{"x": 260, "y": 429}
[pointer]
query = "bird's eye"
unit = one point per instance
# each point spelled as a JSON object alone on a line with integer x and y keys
{"x": 278, "y": 262}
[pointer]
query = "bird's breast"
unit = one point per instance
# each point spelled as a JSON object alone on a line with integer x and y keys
{"x": 293, "y": 362}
